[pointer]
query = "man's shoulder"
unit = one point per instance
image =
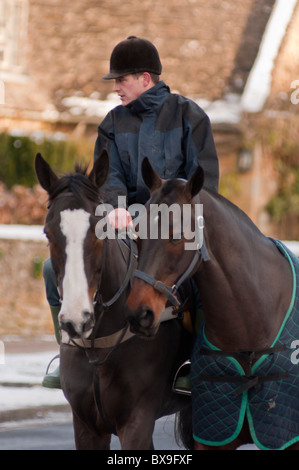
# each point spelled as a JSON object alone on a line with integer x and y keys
{"x": 121, "y": 120}
{"x": 187, "y": 105}
{"x": 118, "y": 111}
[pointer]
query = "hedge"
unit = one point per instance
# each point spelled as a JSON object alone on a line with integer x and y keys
{"x": 17, "y": 156}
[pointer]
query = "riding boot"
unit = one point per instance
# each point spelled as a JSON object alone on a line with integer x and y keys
{"x": 52, "y": 380}
{"x": 182, "y": 381}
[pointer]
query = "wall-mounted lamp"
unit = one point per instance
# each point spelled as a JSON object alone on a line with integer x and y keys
{"x": 244, "y": 160}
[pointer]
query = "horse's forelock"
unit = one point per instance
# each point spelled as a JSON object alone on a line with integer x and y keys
{"x": 78, "y": 184}
{"x": 169, "y": 187}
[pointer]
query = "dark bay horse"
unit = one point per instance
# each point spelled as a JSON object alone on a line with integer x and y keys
{"x": 244, "y": 382}
{"x": 114, "y": 381}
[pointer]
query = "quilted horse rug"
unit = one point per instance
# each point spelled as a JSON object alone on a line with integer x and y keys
{"x": 267, "y": 392}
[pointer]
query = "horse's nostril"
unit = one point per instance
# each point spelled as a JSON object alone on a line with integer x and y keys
{"x": 146, "y": 317}
{"x": 141, "y": 321}
{"x": 88, "y": 322}
{"x": 69, "y": 327}
{"x": 86, "y": 315}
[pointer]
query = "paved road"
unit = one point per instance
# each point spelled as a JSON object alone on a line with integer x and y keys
{"x": 36, "y": 435}
{"x": 48, "y": 437}
{"x": 26, "y": 360}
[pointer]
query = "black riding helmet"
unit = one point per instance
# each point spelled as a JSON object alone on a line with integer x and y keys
{"x": 133, "y": 55}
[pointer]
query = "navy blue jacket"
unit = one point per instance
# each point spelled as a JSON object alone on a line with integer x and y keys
{"x": 172, "y": 131}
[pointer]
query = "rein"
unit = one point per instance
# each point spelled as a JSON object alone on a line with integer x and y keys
{"x": 124, "y": 334}
{"x": 98, "y": 296}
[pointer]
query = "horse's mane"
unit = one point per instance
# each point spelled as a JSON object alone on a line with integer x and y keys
{"x": 171, "y": 184}
{"x": 78, "y": 184}
{"x": 235, "y": 210}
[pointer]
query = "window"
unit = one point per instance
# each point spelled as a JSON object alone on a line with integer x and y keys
{"x": 13, "y": 34}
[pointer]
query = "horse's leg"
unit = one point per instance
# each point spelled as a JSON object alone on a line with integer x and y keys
{"x": 132, "y": 439}
{"x": 85, "y": 439}
{"x": 294, "y": 446}
{"x": 244, "y": 437}
{"x": 137, "y": 433}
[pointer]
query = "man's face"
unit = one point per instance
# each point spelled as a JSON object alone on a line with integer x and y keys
{"x": 129, "y": 88}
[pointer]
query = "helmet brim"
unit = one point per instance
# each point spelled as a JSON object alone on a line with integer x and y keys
{"x": 111, "y": 76}
{"x": 123, "y": 73}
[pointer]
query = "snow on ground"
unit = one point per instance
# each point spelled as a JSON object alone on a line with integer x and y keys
{"x": 22, "y": 232}
{"x": 14, "y": 398}
{"x": 25, "y": 368}
{"x": 20, "y": 382}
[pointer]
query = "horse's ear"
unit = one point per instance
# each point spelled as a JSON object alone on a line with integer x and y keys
{"x": 44, "y": 173}
{"x": 195, "y": 183}
{"x": 150, "y": 177}
{"x": 100, "y": 170}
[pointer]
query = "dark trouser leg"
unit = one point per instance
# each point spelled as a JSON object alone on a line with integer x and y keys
{"x": 52, "y": 380}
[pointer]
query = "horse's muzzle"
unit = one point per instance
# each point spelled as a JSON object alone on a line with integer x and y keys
{"x": 75, "y": 330}
{"x": 142, "y": 321}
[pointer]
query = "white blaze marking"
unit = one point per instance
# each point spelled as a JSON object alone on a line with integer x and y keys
{"x": 74, "y": 226}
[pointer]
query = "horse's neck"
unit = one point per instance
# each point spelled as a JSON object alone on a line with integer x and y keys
{"x": 246, "y": 285}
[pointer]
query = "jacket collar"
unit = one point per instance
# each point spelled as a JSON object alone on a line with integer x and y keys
{"x": 151, "y": 99}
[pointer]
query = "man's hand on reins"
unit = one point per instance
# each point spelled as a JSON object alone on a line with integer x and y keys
{"x": 120, "y": 219}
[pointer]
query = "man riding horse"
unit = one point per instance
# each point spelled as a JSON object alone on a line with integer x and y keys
{"x": 170, "y": 130}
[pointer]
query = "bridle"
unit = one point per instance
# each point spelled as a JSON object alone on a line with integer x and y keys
{"x": 170, "y": 292}
{"x": 111, "y": 341}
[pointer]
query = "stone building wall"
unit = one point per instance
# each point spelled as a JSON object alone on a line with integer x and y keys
{"x": 69, "y": 43}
